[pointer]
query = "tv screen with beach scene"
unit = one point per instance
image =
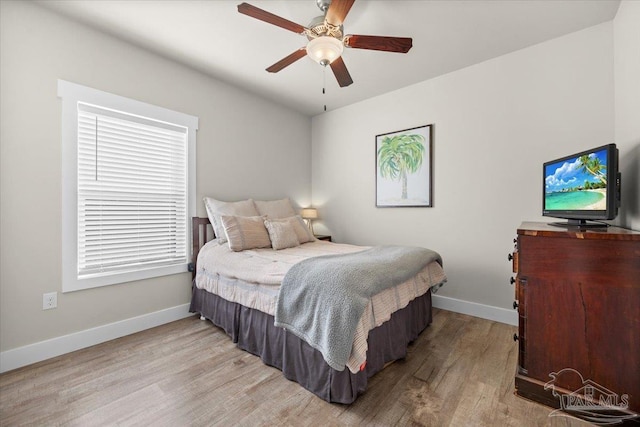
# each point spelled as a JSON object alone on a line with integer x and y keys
{"x": 583, "y": 185}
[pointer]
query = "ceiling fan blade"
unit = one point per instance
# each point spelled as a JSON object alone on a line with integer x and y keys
{"x": 387, "y": 44}
{"x": 338, "y": 11}
{"x": 341, "y": 72}
{"x": 285, "y": 62}
{"x": 270, "y": 18}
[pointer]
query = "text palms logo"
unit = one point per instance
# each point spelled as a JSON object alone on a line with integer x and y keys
{"x": 591, "y": 401}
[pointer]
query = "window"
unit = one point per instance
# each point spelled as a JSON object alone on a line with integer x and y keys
{"x": 128, "y": 188}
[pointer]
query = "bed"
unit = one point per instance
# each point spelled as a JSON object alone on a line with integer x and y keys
{"x": 244, "y": 305}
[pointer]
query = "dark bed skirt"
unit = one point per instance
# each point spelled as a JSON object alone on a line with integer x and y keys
{"x": 253, "y": 331}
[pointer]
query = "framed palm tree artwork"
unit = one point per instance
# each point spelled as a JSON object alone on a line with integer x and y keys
{"x": 403, "y": 168}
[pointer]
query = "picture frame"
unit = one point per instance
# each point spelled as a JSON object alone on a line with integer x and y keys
{"x": 404, "y": 168}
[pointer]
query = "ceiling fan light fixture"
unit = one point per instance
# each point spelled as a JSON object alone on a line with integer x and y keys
{"x": 325, "y": 49}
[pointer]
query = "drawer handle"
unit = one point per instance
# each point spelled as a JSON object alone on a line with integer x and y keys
{"x": 515, "y": 305}
{"x": 510, "y": 257}
{"x": 515, "y": 337}
{"x": 512, "y": 280}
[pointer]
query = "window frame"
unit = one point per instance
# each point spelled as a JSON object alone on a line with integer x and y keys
{"x": 71, "y": 94}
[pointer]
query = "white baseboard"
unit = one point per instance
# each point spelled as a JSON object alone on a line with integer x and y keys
{"x": 32, "y": 353}
{"x": 502, "y": 315}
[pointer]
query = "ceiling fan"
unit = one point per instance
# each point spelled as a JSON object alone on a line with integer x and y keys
{"x": 326, "y": 39}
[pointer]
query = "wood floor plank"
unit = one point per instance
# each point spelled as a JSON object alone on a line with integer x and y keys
{"x": 458, "y": 372}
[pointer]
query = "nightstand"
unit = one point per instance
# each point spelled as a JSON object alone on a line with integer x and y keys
{"x": 322, "y": 237}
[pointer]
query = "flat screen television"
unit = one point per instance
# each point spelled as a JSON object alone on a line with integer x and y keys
{"x": 582, "y": 187}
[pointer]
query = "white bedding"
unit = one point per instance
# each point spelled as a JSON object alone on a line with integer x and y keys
{"x": 252, "y": 278}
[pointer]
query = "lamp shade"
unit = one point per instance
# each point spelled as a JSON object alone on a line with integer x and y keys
{"x": 310, "y": 213}
{"x": 325, "y": 49}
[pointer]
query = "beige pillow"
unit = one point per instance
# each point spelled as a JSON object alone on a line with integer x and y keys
{"x": 282, "y": 234}
{"x": 275, "y": 208}
{"x": 245, "y": 232}
{"x": 215, "y": 208}
{"x": 303, "y": 233}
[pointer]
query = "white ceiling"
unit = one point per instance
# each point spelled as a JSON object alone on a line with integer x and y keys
{"x": 212, "y": 37}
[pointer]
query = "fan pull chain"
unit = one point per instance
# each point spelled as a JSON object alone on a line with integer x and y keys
{"x": 324, "y": 83}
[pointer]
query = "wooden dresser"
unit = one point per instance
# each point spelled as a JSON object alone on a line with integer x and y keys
{"x": 578, "y": 302}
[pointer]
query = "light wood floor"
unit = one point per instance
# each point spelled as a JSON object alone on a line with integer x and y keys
{"x": 459, "y": 372}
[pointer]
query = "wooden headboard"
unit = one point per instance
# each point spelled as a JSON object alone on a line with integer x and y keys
{"x": 200, "y": 235}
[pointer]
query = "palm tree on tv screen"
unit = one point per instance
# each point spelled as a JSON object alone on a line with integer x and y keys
{"x": 593, "y": 166}
{"x": 399, "y": 156}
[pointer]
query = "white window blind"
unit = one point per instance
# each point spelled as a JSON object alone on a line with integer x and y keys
{"x": 132, "y": 192}
{"x": 128, "y": 188}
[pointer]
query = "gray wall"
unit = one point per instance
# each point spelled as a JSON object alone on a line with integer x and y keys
{"x": 627, "y": 107}
{"x": 242, "y": 151}
{"x": 495, "y": 124}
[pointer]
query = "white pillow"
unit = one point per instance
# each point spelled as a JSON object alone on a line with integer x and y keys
{"x": 245, "y": 232}
{"x": 275, "y": 208}
{"x": 282, "y": 234}
{"x": 215, "y": 208}
{"x": 301, "y": 230}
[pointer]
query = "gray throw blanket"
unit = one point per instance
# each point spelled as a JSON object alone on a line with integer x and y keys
{"x": 321, "y": 299}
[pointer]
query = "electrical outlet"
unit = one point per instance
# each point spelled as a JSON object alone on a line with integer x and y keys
{"x": 49, "y": 300}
